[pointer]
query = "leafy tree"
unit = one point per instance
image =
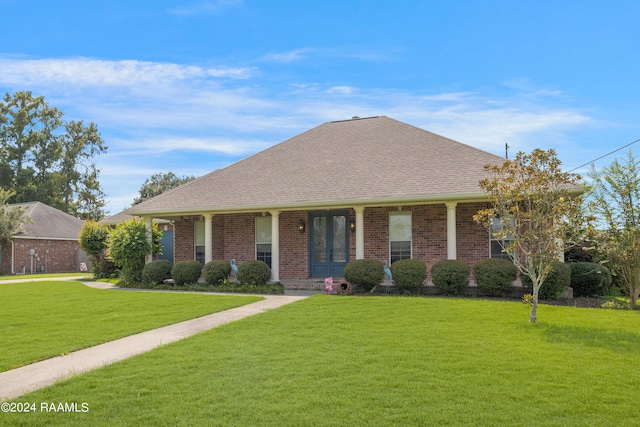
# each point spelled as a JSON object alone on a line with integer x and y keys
{"x": 93, "y": 240}
{"x": 12, "y": 218}
{"x": 128, "y": 245}
{"x": 158, "y": 184}
{"x": 537, "y": 205}
{"x": 615, "y": 201}
{"x": 43, "y": 158}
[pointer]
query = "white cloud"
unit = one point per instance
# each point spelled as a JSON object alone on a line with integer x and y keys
{"x": 205, "y": 7}
{"x": 192, "y": 119}
{"x": 102, "y": 73}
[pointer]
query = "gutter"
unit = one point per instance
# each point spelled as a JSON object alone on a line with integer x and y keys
{"x": 297, "y": 206}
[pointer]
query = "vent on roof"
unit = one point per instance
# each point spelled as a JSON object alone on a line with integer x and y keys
{"x": 355, "y": 118}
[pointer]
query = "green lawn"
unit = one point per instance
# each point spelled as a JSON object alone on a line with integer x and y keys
{"x": 383, "y": 361}
{"x": 43, "y": 319}
{"x": 42, "y": 276}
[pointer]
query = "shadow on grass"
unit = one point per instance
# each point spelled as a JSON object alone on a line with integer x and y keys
{"x": 616, "y": 341}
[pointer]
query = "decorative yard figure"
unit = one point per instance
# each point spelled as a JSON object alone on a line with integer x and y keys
{"x": 385, "y": 268}
{"x": 328, "y": 285}
{"x": 234, "y": 267}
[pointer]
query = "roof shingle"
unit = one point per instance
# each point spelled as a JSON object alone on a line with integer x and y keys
{"x": 337, "y": 163}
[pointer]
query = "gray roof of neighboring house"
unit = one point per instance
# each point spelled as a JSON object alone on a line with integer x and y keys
{"x": 341, "y": 163}
{"x": 49, "y": 223}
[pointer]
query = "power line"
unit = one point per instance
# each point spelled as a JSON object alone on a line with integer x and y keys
{"x": 608, "y": 154}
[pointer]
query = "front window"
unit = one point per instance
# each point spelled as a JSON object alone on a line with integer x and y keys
{"x": 400, "y": 235}
{"x": 198, "y": 239}
{"x": 263, "y": 239}
{"x": 498, "y": 241}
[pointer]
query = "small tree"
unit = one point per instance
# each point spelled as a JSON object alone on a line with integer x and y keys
{"x": 12, "y": 218}
{"x": 537, "y": 205}
{"x": 615, "y": 201}
{"x": 128, "y": 245}
{"x": 93, "y": 240}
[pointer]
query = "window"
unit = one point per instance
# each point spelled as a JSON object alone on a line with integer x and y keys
{"x": 497, "y": 244}
{"x": 198, "y": 239}
{"x": 400, "y": 233}
{"x": 263, "y": 239}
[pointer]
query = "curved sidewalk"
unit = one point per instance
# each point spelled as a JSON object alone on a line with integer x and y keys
{"x": 28, "y": 378}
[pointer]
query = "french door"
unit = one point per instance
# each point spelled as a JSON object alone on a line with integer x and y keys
{"x": 329, "y": 243}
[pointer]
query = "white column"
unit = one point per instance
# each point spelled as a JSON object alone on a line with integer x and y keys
{"x": 451, "y": 230}
{"x": 208, "y": 237}
{"x": 275, "y": 245}
{"x": 359, "y": 231}
{"x": 149, "y": 225}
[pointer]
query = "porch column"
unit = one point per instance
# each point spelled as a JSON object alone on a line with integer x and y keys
{"x": 451, "y": 230}
{"x": 359, "y": 231}
{"x": 208, "y": 236}
{"x": 149, "y": 225}
{"x": 275, "y": 245}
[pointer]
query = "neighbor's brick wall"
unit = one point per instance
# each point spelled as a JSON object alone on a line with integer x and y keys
{"x": 52, "y": 256}
{"x": 234, "y": 237}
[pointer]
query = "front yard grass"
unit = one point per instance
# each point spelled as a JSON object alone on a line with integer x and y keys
{"x": 44, "y": 319}
{"x": 335, "y": 361}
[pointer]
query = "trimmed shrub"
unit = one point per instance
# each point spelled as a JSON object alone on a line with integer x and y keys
{"x": 495, "y": 276}
{"x": 215, "y": 272}
{"x": 556, "y": 283}
{"x": 157, "y": 271}
{"x": 450, "y": 276}
{"x": 589, "y": 279}
{"x": 409, "y": 273}
{"x": 254, "y": 272}
{"x": 186, "y": 272}
{"x": 365, "y": 273}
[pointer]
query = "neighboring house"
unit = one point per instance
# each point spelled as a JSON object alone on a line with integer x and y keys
{"x": 163, "y": 225}
{"x": 49, "y": 244}
{"x": 361, "y": 188}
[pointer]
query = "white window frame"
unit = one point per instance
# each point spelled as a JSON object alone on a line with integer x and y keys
{"x": 410, "y": 217}
{"x": 198, "y": 231}
{"x": 494, "y": 229}
{"x": 263, "y": 237}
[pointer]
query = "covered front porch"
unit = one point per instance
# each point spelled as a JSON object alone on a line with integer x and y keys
{"x": 307, "y": 245}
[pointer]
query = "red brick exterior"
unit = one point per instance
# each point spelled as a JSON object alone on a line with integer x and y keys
{"x": 51, "y": 256}
{"x": 234, "y": 237}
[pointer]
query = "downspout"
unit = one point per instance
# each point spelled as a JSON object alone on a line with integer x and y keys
{"x": 13, "y": 258}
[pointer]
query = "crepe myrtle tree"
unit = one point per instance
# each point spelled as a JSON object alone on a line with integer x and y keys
{"x": 614, "y": 199}
{"x": 537, "y": 205}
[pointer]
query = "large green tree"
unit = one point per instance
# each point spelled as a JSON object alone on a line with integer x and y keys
{"x": 537, "y": 204}
{"x": 43, "y": 158}
{"x": 615, "y": 203}
{"x": 158, "y": 184}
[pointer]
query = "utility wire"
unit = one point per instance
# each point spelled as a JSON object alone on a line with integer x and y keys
{"x": 608, "y": 154}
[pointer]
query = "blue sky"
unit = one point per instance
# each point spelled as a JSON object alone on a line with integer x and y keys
{"x": 192, "y": 86}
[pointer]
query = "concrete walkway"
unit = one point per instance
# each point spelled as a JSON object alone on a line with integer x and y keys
{"x": 28, "y": 378}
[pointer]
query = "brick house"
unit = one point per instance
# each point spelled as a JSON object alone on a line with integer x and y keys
{"x": 49, "y": 244}
{"x": 360, "y": 188}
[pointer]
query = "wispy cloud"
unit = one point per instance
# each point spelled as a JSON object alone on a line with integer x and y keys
{"x": 192, "y": 119}
{"x": 343, "y": 52}
{"x": 205, "y": 7}
{"x": 94, "y": 72}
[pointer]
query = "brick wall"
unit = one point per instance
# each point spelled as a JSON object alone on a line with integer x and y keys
{"x": 234, "y": 237}
{"x": 51, "y": 256}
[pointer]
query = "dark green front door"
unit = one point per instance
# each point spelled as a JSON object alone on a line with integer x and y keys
{"x": 329, "y": 243}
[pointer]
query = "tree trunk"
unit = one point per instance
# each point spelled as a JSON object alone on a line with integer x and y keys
{"x": 534, "y": 310}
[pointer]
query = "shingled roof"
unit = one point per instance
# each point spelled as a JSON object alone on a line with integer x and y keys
{"x": 49, "y": 223}
{"x": 369, "y": 161}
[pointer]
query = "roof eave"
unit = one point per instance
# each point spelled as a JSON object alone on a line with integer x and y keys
{"x": 297, "y": 206}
